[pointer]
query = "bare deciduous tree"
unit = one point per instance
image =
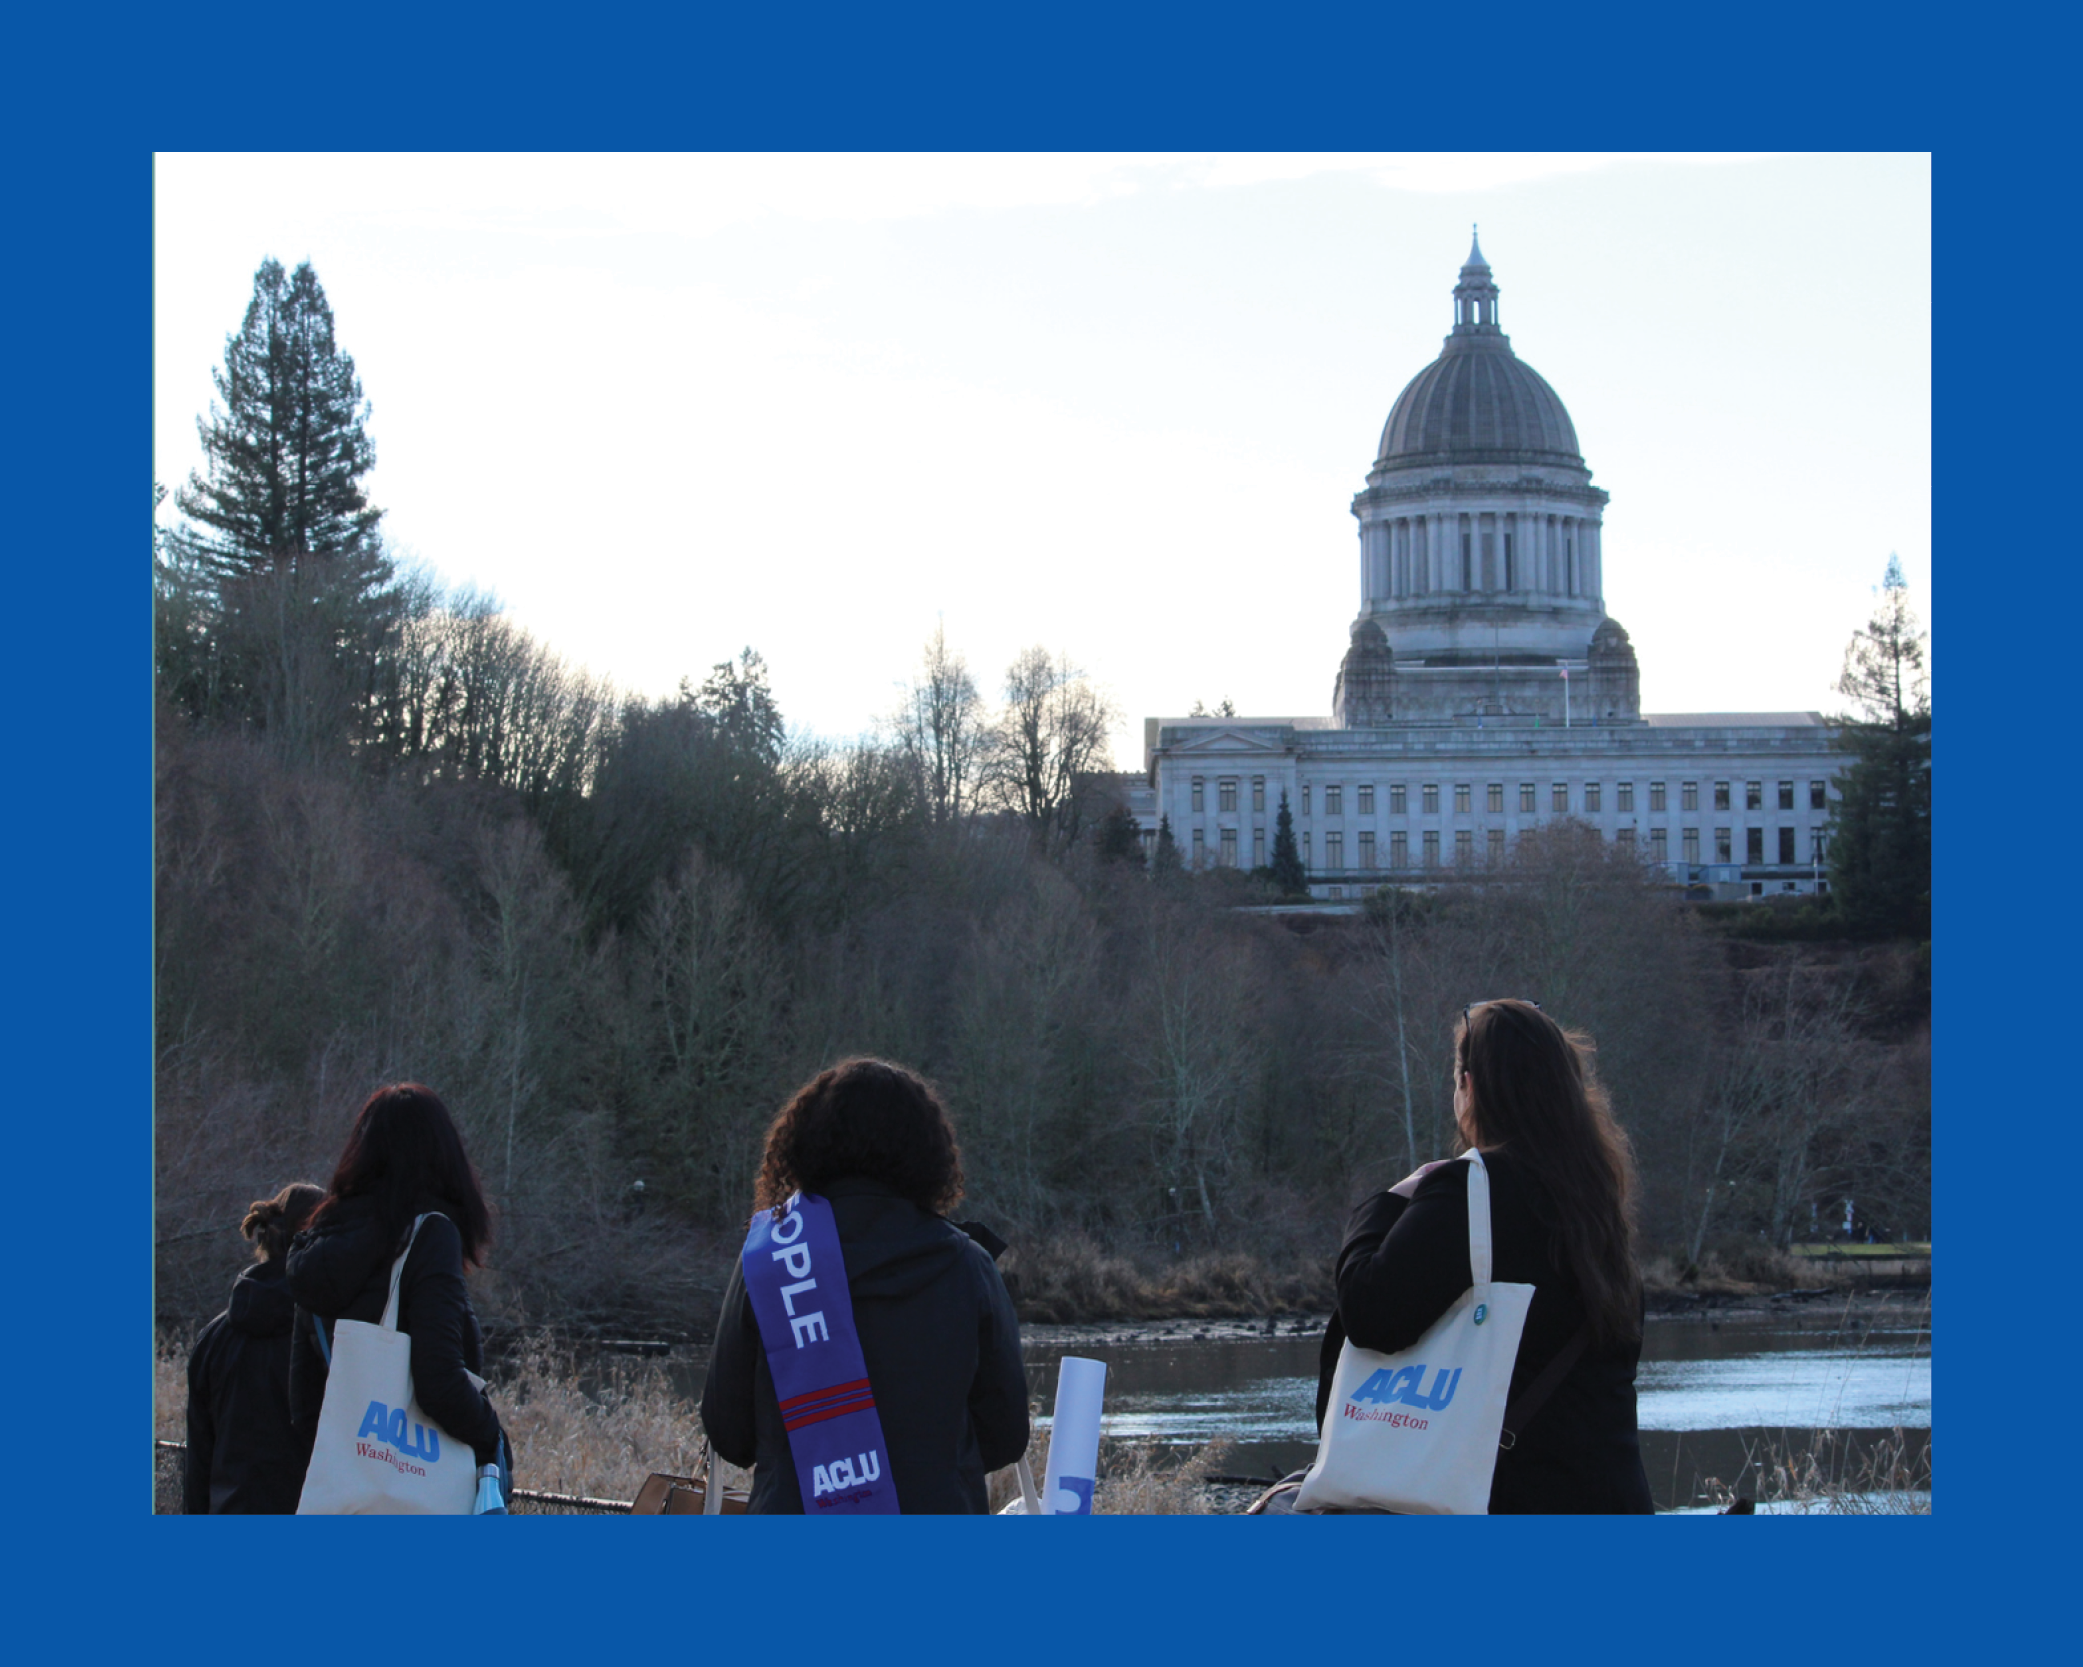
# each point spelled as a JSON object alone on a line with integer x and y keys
{"x": 1054, "y": 728}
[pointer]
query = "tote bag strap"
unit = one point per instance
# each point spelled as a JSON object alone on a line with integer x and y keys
{"x": 1479, "y": 1265}
{"x": 1535, "y": 1395}
{"x": 390, "y": 1308}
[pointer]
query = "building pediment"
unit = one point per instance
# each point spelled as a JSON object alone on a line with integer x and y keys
{"x": 1231, "y": 742}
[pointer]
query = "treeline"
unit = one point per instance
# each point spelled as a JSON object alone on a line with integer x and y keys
{"x": 398, "y": 837}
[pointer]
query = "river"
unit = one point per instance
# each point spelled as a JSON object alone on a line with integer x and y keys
{"x": 1713, "y": 1392}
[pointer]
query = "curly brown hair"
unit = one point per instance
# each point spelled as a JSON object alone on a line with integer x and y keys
{"x": 864, "y": 1117}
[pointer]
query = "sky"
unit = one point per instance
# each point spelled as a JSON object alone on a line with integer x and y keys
{"x": 667, "y": 408}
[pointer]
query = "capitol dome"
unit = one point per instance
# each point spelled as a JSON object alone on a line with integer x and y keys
{"x": 1478, "y": 402}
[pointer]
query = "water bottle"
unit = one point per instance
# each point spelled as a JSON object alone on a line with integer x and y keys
{"x": 491, "y": 1491}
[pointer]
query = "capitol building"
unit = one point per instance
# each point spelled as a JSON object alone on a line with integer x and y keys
{"x": 1486, "y": 690}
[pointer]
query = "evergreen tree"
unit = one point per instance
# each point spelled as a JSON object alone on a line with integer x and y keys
{"x": 277, "y": 601}
{"x": 287, "y": 449}
{"x": 1165, "y": 861}
{"x": 1121, "y": 837}
{"x": 1288, "y": 873}
{"x": 1880, "y": 825}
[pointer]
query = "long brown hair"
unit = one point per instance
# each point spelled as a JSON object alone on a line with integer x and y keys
{"x": 1538, "y": 1098}
{"x": 403, "y": 1150}
{"x": 863, "y": 1117}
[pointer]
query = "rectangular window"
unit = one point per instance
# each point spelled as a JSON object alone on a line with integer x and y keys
{"x": 1818, "y": 795}
{"x": 1305, "y": 798}
{"x": 1624, "y": 796}
{"x": 1462, "y": 796}
{"x": 1258, "y": 847}
{"x": 1526, "y": 805}
{"x": 1591, "y": 798}
{"x": 1258, "y": 792}
{"x": 1366, "y": 849}
{"x": 1399, "y": 849}
{"x": 1786, "y": 795}
{"x": 1656, "y": 795}
{"x": 1659, "y": 845}
{"x": 1689, "y": 795}
{"x": 1200, "y": 847}
{"x": 1229, "y": 847}
{"x": 1431, "y": 798}
{"x": 1334, "y": 851}
{"x": 1721, "y": 795}
{"x": 1431, "y": 847}
{"x": 1367, "y": 799}
{"x": 1200, "y": 799}
{"x": 1396, "y": 799}
{"x": 1818, "y": 845}
{"x": 1493, "y": 798}
{"x": 1624, "y": 838}
{"x": 1689, "y": 845}
{"x": 1753, "y": 844}
{"x": 1226, "y": 794}
{"x": 1464, "y": 847}
{"x": 1334, "y": 801}
{"x": 1753, "y": 795}
{"x": 1307, "y": 860}
{"x": 1786, "y": 844}
{"x": 1497, "y": 845}
{"x": 1558, "y": 796}
{"x": 1722, "y": 847}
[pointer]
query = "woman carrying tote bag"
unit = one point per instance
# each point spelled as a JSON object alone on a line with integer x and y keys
{"x": 379, "y": 1269}
{"x": 1560, "y": 1182}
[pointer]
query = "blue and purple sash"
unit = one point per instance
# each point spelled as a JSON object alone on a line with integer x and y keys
{"x": 814, "y": 1353}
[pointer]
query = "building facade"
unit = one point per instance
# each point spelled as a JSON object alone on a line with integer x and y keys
{"x": 1485, "y": 689}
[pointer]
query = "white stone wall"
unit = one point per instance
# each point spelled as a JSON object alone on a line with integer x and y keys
{"x": 1634, "y": 759}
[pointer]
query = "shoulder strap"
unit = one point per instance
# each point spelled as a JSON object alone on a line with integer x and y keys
{"x": 325, "y": 1349}
{"x": 1535, "y": 1395}
{"x": 390, "y": 1308}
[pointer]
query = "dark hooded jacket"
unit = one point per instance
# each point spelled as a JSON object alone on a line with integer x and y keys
{"x": 941, "y": 1344}
{"x": 244, "y": 1455}
{"x": 1403, "y": 1264}
{"x": 340, "y": 1269}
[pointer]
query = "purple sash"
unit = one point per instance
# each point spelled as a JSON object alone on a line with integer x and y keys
{"x": 827, "y": 1404}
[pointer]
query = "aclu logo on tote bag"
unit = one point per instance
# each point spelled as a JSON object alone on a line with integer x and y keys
{"x": 1403, "y": 1385}
{"x": 388, "y": 1425}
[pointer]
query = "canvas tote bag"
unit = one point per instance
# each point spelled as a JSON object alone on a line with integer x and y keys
{"x": 377, "y": 1453}
{"x": 1417, "y": 1432}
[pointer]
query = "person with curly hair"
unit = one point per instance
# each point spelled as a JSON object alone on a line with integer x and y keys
{"x": 937, "y": 1330}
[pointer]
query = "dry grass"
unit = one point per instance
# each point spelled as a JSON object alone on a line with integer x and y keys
{"x": 1072, "y": 1279}
{"x": 1739, "y": 1271}
{"x": 1830, "y": 1477}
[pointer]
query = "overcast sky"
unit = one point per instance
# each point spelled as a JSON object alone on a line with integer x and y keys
{"x": 1119, "y": 406}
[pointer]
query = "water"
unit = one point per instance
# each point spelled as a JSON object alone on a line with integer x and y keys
{"x": 1710, "y": 1398}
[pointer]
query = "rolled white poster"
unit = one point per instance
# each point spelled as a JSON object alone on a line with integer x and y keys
{"x": 1074, "y": 1437}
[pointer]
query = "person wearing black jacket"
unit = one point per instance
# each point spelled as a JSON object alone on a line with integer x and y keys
{"x": 244, "y": 1453}
{"x": 938, "y": 1334}
{"x": 1561, "y": 1176}
{"x": 403, "y": 1159}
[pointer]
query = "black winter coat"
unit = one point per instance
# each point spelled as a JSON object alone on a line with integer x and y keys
{"x": 244, "y": 1455}
{"x": 341, "y": 1270}
{"x": 1403, "y": 1263}
{"x": 942, "y": 1348}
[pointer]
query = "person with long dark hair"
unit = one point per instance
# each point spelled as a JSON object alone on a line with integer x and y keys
{"x": 938, "y": 1335}
{"x": 245, "y": 1456}
{"x": 1561, "y": 1207}
{"x": 403, "y": 1160}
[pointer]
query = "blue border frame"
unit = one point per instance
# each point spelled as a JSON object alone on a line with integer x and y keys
{"x": 104, "y": 91}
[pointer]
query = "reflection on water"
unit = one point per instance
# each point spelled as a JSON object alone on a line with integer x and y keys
{"x": 1707, "y": 1397}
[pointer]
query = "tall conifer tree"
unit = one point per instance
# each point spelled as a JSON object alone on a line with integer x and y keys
{"x": 1880, "y": 825}
{"x": 1288, "y": 873}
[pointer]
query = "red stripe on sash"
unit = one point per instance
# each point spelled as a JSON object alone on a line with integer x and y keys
{"x": 865, "y": 1404}
{"x": 821, "y": 1394}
